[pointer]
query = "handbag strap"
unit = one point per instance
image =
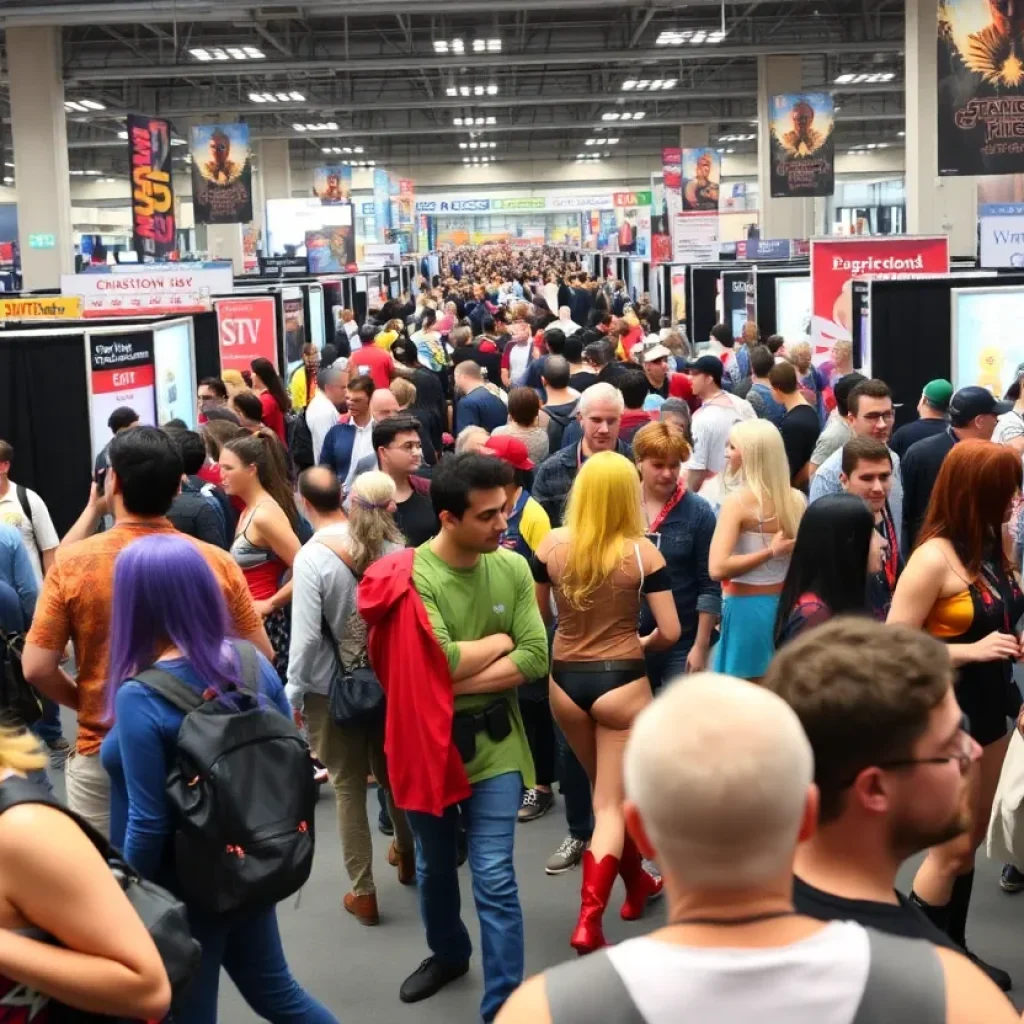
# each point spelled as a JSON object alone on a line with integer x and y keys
{"x": 325, "y": 627}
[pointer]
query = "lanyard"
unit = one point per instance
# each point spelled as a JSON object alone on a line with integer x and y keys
{"x": 674, "y": 500}
{"x": 892, "y": 555}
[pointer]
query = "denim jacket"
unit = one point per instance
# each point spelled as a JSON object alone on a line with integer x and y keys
{"x": 684, "y": 538}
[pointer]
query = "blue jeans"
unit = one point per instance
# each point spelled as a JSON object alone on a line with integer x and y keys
{"x": 248, "y": 947}
{"x": 490, "y": 819}
{"x": 574, "y": 786}
{"x": 48, "y": 728}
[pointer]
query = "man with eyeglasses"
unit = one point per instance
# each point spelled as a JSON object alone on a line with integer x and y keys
{"x": 212, "y": 394}
{"x": 869, "y": 414}
{"x": 891, "y": 759}
{"x": 399, "y": 451}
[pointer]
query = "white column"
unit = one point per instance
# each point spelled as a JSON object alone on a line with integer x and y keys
{"x": 224, "y": 242}
{"x": 780, "y": 218}
{"x": 273, "y": 178}
{"x": 39, "y": 132}
{"x": 935, "y": 206}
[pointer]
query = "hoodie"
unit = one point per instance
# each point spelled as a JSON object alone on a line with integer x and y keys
{"x": 425, "y": 769}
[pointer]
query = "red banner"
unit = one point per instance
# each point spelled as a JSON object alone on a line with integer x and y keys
{"x": 836, "y": 261}
{"x": 246, "y": 329}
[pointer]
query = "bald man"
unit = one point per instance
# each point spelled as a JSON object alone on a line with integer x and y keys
{"x": 719, "y": 779}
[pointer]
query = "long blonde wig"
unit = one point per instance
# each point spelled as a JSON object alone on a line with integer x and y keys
{"x": 370, "y": 524}
{"x": 603, "y": 511}
{"x": 765, "y": 471}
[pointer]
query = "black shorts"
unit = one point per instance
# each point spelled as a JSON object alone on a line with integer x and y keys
{"x": 989, "y": 700}
{"x": 585, "y": 681}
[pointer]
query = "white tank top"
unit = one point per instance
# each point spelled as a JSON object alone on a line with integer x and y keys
{"x": 819, "y": 980}
{"x": 770, "y": 572}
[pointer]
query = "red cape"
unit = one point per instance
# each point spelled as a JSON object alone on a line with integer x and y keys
{"x": 426, "y": 771}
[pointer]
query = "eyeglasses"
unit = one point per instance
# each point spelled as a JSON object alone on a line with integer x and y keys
{"x": 409, "y": 446}
{"x": 880, "y": 417}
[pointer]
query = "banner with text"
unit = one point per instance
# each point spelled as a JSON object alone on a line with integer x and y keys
{"x": 835, "y": 262}
{"x": 332, "y": 185}
{"x": 702, "y": 178}
{"x": 802, "y": 146}
{"x": 221, "y": 174}
{"x": 1001, "y": 235}
{"x": 149, "y": 153}
{"x": 695, "y": 237}
{"x": 121, "y": 375}
{"x": 148, "y": 291}
{"x": 246, "y": 329}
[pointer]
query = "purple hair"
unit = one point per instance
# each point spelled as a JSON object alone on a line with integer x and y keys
{"x": 165, "y": 593}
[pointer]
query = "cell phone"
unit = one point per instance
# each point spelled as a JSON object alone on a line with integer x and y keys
{"x": 101, "y": 479}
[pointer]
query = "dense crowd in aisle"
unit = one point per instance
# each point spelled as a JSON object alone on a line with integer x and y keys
{"x": 517, "y": 546}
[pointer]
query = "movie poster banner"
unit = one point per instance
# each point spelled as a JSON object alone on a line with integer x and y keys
{"x": 221, "y": 174}
{"x": 836, "y": 261}
{"x": 333, "y": 185}
{"x": 702, "y": 177}
{"x": 802, "y": 145}
{"x": 406, "y": 204}
{"x": 149, "y": 152}
{"x": 980, "y": 89}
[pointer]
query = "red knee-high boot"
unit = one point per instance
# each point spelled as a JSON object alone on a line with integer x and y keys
{"x": 596, "y": 890}
{"x": 640, "y": 885}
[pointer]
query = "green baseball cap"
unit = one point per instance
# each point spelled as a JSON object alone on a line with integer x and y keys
{"x": 938, "y": 392}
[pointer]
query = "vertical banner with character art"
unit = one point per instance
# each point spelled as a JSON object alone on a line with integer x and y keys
{"x": 980, "y": 87}
{"x": 803, "y": 149}
{"x": 221, "y": 174}
{"x": 149, "y": 149}
{"x": 702, "y": 176}
{"x": 332, "y": 185}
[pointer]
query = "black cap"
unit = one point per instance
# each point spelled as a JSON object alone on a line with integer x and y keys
{"x": 974, "y": 401}
{"x": 711, "y": 365}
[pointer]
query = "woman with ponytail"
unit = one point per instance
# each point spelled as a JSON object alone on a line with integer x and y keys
{"x": 266, "y": 539}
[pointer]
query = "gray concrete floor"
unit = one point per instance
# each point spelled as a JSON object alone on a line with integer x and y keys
{"x": 356, "y": 971}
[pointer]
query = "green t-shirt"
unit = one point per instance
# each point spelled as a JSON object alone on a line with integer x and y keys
{"x": 495, "y": 596}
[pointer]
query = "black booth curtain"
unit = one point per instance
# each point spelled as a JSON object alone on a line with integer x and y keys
{"x": 44, "y": 414}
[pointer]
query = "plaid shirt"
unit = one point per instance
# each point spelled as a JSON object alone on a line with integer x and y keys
{"x": 555, "y": 475}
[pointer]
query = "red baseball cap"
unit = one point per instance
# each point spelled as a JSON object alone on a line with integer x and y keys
{"x": 511, "y": 450}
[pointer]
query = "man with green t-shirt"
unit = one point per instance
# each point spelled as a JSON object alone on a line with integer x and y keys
{"x": 480, "y": 602}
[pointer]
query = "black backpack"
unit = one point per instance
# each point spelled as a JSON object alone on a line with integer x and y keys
{"x": 19, "y": 702}
{"x": 300, "y": 441}
{"x": 242, "y": 794}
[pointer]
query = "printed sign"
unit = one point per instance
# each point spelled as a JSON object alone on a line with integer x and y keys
{"x": 221, "y": 174}
{"x": 246, "y": 329}
{"x": 802, "y": 146}
{"x": 702, "y": 176}
{"x": 1001, "y": 235}
{"x": 695, "y": 237}
{"x": 55, "y": 307}
{"x": 121, "y": 375}
{"x": 149, "y": 152}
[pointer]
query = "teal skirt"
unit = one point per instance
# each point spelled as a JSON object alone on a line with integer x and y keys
{"x": 747, "y": 643}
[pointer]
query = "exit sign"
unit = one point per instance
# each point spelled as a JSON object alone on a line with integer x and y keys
{"x": 42, "y": 242}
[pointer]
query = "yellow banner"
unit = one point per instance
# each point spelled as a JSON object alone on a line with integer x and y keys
{"x": 50, "y": 307}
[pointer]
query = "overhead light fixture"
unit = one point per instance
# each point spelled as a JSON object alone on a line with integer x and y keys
{"x": 78, "y": 108}
{"x": 864, "y": 78}
{"x": 122, "y": 135}
{"x": 276, "y": 97}
{"x": 901, "y": 135}
{"x": 648, "y": 84}
{"x": 93, "y": 105}
{"x": 319, "y": 126}
{"x": 178, "y": 142}
{"x": 204, "y": 53}
{"x": 749, "y": 137}
{"x": 443, "y": 46}
{"x": 8, "y": 181}
{"x": 602, "y": 141}
{"x": 693, "y": 36}
{"x": 7, "y": 163}
{"x": 487, "y": 46}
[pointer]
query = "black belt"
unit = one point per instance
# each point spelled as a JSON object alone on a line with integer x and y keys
{"x": 620, "y": 665}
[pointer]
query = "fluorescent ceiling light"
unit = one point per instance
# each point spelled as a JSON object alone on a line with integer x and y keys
{"x": 318, "y": 126}
{"x": 864, "y": 78}
{"x": 203, "y": 53}
{"x": 93, "y": 105}
{"x": 120, "y": 135}
{"x": 76, "y": 107}
{"x": 449, "y": 46}
{"x": 693, "y": 36}
{"x": 492, "y": 90}
{"x": 8, "y": 181}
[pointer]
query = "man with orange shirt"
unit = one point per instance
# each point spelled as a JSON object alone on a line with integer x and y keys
{"x": 144, "y": 477}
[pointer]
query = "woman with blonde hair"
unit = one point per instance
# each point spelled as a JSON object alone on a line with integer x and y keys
{"x": 751, "y": 547}
{"x": 598, "y": 565}
{"x": 69, "y": 938}
{"x": 811, "y": 380}
{"x": 233, "y": 381}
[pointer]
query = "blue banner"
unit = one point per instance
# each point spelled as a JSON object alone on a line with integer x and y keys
{"x": 381, "y": 202}
{"x": 764, "y": 249}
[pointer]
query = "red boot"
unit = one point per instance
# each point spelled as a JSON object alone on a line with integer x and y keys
{"x": 598, "y": 879}
{"x": 640, "y": 885}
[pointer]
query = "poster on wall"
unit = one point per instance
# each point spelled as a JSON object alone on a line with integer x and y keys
{"x": 121, "y": 376}
{"x": 149, "y": 153}
{"x": 246, "y": 329}
{"x": 381, "y": 202}
{"x": 221, "y": 174}
{"x": 980, "y": 88}
{"x": 987, "y": 343}
{"x": 835, "y": 262}
{"x": 174, "y": 360}
{"x": 802, "y": 145}
{"x": 702, "y": 177}
{"x": 333, "y": 184}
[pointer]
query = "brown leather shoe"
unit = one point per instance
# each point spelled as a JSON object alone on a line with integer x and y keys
{"x": 406, "y": 864}
{"x": 362, "y": 908}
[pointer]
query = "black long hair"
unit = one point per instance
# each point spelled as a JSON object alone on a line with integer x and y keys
{"x": 264, "y": 369}
{"x": 830, "y": 557}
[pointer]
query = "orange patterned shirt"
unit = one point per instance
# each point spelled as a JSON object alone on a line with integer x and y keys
{"x": 76, "y": 603}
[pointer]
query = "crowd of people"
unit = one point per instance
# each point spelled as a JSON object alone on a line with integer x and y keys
{"x": 463, "y": 551}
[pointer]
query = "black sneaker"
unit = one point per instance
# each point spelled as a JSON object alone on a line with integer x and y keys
{"x": 997, "y": 974}
{"x": 536, "y": 803}
{"x": 1011, "y": 880}
{"x": 429, "y": 978}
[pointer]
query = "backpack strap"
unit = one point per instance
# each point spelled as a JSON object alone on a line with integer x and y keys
{"x": 26, "y": 507}
{"x": 905, "y": 982}
{"x": 249, "y": 663}
{"x": 184, "y": 697}
{"x": 590, "y": 989}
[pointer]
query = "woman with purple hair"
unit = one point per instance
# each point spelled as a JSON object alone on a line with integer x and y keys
{"x": 168, "y": 610}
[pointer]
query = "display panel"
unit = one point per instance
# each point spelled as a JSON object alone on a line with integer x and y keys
{"x": 174, "y": 358}
{"x": 121, "y": 375}
{"x": 987, "y": 342}
{"x": 793, "y": 308}
{"x": 295, "y": 335}
{"x": 317, "y": 327}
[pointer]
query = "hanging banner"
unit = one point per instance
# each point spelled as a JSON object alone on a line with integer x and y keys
{"x": 52, "y": 307}
{"x": 695, "y": 238}
{"x": 221, "y": 174}
{"x": 406, "y": 203}
{"x": 121, "y": 375}
{"x": 661, "y": 239}
{"x": 980, "y": 88}
{"x": 149, "y": 153}
{"x": 702, "y": 177}
{"x": 802, "y": 145}
{"x": 835, "y": 262}
{"x": 381, "y": 203}
{"x": 333, "y": 184}
{"x": 246, "y": 329}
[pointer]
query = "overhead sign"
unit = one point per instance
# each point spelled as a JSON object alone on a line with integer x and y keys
{"x": 42, "y": 242}
{"x": 1001, "y": 235}
{"x": 763, "y": 249}
{"x": 695, "y": 237}
{"x": 246, "y": 329}
{"x": 620, "y": 199}
{"x": 56, "y": 307}
{"x": 149, "y": 152}
{"x": 802, "y": 146}
{"x": 148, "y": 292}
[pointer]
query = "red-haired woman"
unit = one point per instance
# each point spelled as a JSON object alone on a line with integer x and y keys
{"x": 961, "y": 587}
